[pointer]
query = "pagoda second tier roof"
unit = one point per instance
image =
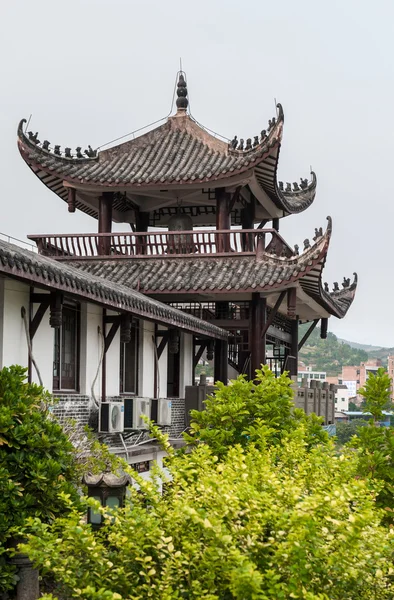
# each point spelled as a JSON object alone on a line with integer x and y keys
{"x": 179, "y": 153}
{"x": 227, "y": 275}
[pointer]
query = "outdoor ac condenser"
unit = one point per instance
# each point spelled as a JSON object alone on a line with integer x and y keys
{"x": 161, "y": 411}
{"x": 111, "y": 417}
{"x": 134, "y": 408}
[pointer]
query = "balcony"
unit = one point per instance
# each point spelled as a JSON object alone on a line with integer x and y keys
{"x": 167, "y": 244}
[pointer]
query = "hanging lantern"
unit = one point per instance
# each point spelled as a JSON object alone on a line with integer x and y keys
{"x": 108, "y": 489}
{"x": 210, "y": 350}
{"x": 180, "y": 244}
{"x": 173, "y": 342}
{"x": 125, "y": 329}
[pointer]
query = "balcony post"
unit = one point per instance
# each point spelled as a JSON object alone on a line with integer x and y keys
{"x": 221, "y": 348}
{"x": 258, "y": 314}
{"x": 222, "y": 219}
{"x": 105, "y": 223}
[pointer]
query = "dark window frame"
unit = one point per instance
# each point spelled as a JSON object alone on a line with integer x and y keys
{"x": 136, "y": 328}
{"x": 57, "y": 380}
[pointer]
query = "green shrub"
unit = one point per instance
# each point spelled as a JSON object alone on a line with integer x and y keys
{"x": 36, "y": 461}
{"x": 240, "y": 412}
{"x": 268, "y": 522}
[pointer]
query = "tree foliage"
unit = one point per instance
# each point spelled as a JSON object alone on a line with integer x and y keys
{"x": 265, "y": 522}
{"x": 259, "y": 508}
{"x": 345, "y": 431}
{"x": 36, "y": 461}
{"x": 240, "y": 412}
{"x": 376, "y": 393}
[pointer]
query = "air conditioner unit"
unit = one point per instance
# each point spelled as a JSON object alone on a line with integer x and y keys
{"x": 111, "y": 417}
{"x": 134, "y": 408}
{"x": 161, "y": 411}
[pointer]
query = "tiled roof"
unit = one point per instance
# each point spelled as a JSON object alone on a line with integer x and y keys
{"x": 224, "y": 274}
{"x": 40, "y": 270}
{"x": 178, "y": 152}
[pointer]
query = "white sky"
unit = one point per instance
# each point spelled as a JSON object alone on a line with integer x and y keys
{"x": 92, "y": 70}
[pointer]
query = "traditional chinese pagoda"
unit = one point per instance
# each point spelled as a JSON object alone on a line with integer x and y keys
{"x": 215, "y": 250}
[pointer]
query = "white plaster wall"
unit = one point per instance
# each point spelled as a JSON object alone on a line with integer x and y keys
{"x": 146, "y": 371}
{"x": 186, "y": 362}
{"x": 14, "y": 350}
{"x": 163, "y": 364}
{"x": 113, "y": 362}
{"x": 91, "y": 349}
{"x": 43, "y": 342}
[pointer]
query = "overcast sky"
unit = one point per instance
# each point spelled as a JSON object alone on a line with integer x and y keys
{"x": 92, "y": 70}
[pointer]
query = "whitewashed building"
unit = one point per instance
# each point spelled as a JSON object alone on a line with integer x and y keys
{"x": 93, "y": 343}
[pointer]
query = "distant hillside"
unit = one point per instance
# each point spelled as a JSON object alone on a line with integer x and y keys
{"x": 332, "y": 354}
{"x": 373, "y": 351}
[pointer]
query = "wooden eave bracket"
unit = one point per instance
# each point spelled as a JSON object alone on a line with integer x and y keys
{"x": 108, "y": 338}
{"x": 200, "y": 352}
{"x": 165, "y": 336}
{"x": 273, "y": 313}
{"x": 308, "y": 333}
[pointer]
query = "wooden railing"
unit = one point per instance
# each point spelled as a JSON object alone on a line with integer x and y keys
{"x": 157, "y": 243}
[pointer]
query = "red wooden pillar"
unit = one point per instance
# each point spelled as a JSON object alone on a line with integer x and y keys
{"x": 141, "y": 224}
{"x": 222, "y": 218}
{"x": 221, "y": 348}
{"x": 258, "y": 314}
{"x": 293, "y": 364}
{"x": 105, "y": 223}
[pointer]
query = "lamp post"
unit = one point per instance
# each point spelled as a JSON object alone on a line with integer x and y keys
{"x": 108, "y": 489}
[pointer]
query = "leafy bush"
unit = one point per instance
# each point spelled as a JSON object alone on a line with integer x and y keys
{"x": 36, "y": 461}
{"x": 345, "y": 431}
{"x": 376, "y": 393}
{"x": 240, "y": 412}
{"x": 268, "y": 522}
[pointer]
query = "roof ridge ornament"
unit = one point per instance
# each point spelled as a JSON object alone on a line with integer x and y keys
{"x": 181, "y": 102}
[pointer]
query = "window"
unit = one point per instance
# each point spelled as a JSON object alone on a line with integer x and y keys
{"x": 66, "y": 351}
{"x": 322, "y": 376}
{"x": 129, "y": 363}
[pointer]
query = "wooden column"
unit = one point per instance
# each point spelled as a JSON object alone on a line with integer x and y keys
{"x": 71, "y": 199}
{"x": 258, "y": 314}
{"x": 105, "y": 222}
{"x": 141, "y": 224}
{"x": 247, "y": 220}
{"x": 222, "y": 218}
{"x": 293, "y": 364}
{"x": 221, "y": 349}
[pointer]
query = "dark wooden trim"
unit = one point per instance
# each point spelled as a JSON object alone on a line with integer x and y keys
{"x": 105, "y": 222}
{"x": 36, "y": 320}
{"x": 104, "y": 364}
{"x": 273, "y": 313}
{"x": 323, "y": 328}
{"x": 262, "y": 224}
{"x": 38, "y": 298}
{"x": 111, "y": 319}
{"x": 234, "y": 198}
{"x": 258, "y": 311}
{"x": 199, "y": 353}
{"x": 111, "y": 334}
{"x": 165, "y": 336}
{"x": 307, "y": 334}
{"x": 71, "y": 199}
{"x": 293, "y": 370}
{"x": 291, "y": 302}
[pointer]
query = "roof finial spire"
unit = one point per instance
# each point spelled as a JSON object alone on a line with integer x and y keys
{"x": 182, "y": 101}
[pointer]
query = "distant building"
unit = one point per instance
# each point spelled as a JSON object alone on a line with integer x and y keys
{"x": 354, "y": 377}
{"x": 342, "y": 398}
{"x": 390, "y": 370}
{"x": 308, "y": 373}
